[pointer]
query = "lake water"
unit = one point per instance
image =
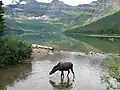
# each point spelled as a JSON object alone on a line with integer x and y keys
{"x": 35, "y": 76}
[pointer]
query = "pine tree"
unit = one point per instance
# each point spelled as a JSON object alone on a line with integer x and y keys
{"x": 1, "y": 27}
{"x": 1, "y": 19}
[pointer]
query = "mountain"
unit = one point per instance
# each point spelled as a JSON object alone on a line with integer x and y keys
{"x": 59, "y": 12}
{"x": 97, "y": 9}
{"x": 106, "y": 25}
{"x": 109, "y": 1}
{"x": 103, "y": 8}
{"x": 34, "y": 8}
{"x": 56, "y": 4}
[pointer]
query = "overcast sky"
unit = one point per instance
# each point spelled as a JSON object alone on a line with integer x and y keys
{"x": 70, "y": 2}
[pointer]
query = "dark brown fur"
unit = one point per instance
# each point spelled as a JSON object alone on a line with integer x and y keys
{"x": 63, "y": 66}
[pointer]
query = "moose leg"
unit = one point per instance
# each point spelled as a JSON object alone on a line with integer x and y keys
{"x": 68, "y": 72}
{"x": 72, "y": 72}
{"x": 68, "y": 79}
{"x": 62, "y": 74}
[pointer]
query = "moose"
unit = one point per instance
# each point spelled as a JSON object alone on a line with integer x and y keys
{"x": 63, "y": 66}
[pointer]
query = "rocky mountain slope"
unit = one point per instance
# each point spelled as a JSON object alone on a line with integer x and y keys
{"x": 58, "y": 11}
{"x": 103, "y": 8}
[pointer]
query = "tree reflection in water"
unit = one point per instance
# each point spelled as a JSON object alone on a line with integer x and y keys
{"x": 63, "y": 84}
{"x": 10, "y": 76}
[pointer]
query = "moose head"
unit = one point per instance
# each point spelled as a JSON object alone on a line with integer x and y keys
{"x": 54, "y": 69}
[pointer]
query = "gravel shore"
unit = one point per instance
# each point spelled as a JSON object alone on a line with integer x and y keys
{"x": 38, "y": 52}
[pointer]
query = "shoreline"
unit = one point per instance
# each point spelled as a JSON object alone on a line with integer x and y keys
{"x": 38, "y": 52}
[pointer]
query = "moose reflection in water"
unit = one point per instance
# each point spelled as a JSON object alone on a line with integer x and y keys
{"x": 63, "y": 66}
{"x": 63, "y": 84}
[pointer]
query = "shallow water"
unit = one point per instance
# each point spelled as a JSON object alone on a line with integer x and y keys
{"x": 35, "y": 76}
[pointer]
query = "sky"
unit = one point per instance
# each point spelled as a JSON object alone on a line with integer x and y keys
{"x": 70, "y": 2}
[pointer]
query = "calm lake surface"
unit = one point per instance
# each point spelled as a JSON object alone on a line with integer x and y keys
{"x": 87, "y": 68}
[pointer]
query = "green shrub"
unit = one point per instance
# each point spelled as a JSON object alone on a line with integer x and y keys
{"x": 114, "y": 69}
{"x": 14, "y": 52}
{"x": 112, "y": 79}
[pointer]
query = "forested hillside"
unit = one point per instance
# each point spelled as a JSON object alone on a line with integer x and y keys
{"x": 106, "y": 25}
